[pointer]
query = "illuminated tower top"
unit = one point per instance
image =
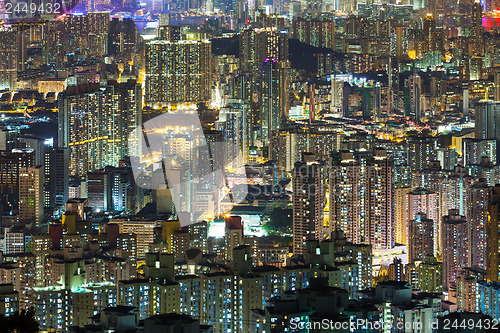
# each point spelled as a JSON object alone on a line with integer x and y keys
{"x": 477, "y": 19}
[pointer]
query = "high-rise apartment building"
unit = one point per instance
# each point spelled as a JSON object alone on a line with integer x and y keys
{"x": 9, "y": 298}
{"x": 144, "y": 231}
{"x": 487, "y": 120}
{"x": 315, "y": 32}
{"x": 396, "y": 270}
{"x": 11, "y": 165}
{"x": 466, "y": 293}
{"x": 8, "y": 59}
{"x": 380, "y": 200}
{"x": 492, "y": 235}
{"x": 56, "y": 177}
{"x": 414, "y": 84}
{"x": 422, "y": 201}
{"x": 257, "y": 45}
{"x": 478, "y": 219}
{"x": 178, "y": 71}
{"x": 430, "y": 275}
{"x": 28, "y": 33}
{"x": 454, "y": 191}
{"x": 455, "y": 251}
{"x": 274, "y": 97}
{"x": 474, "y": 150}
{"x": 308, "y": 201}
{"x": 477, "y": 19}
{"x": 123, "y": 39}
{"x": 169, "y": 32}
{"x": 362, "y": 197}
{"x": 496, "y": 82}
{"x": 422, "y": 151}
{"x": 94, "y": 124}
{"x": 429, "y": 30}
{"x": 347, "y": 209}
{"x": 31, "y": 194}
{"x": 420, "y": 238}
{"x": 401, "y": 214}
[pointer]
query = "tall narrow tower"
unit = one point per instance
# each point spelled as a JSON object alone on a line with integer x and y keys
{"x": 478, "y": 219}
{"x": 455, "y": 239}
{"x": 308, "y": 201}
{"x": 477, "y": 19}
{"x": 492, "y": 234}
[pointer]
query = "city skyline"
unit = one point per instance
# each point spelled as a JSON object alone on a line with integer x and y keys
{"x": 249, "y": 166}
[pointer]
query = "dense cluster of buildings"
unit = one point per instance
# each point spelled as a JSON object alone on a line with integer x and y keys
{"x": 251, "y": 166}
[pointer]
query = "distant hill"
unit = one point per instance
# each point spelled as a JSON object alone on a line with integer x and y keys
{"x": 229, "y": 46}
{"x": 302, "y": 56}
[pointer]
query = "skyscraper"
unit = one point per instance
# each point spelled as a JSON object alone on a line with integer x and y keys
{"x": 8, "y": 59}
{"x": 362, "y": 197}
{"x": 429, "y": 30}
{"x": 178, "y": 71}
{"x": 31, "y": 196}
{"x": 98, "y": 191}
{"x": 496, "y": 82}
{"x": 415, "y": 86}
{"x": 420, "y": 238}
{"x": 123, "y": 39}
{"x": 56, "y": 177}
{"x": 337, "y": 85}
{"x": 94, "y": 124}
{"x": 487, "y": 120}
{"x": 166, "y": 31}
{"x": 315, "y": 32}
{"x": 430, "y": 275}
{"x": 401, "y": 214}
{"x": 257, "y": 45}
{"x": 11, "y": 165}
{"x": 346, "y": 198}
{"x": 477, "y": 19}
{"x": 421, "y": 150}
{"x": 475, "y": 68}
{"x": 274, "y": 97}
{"x": 478, "y": 218}
{"x": 308, "y": 201}
{"x": 371, "y": 105}
{"x": 432, "y": 6}
{"x": 422, "y": 201}
{"x": 455, "y": 251}
{"x": 366, "y": 102}
{"x": 380, "y": 200}
{"x": 492, "y": 234}
{"x": 234, "y": 123}
{"x": 27, "y": 32}
{"x": 233, "y": 236}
